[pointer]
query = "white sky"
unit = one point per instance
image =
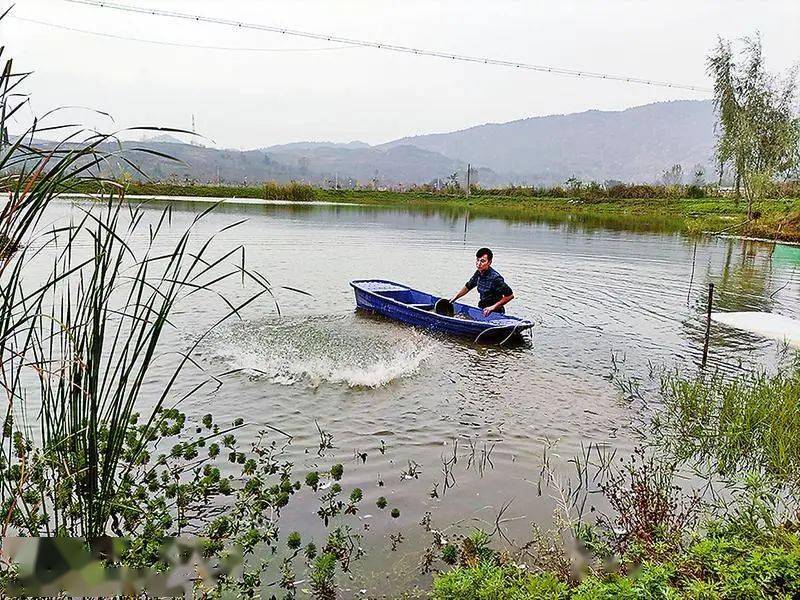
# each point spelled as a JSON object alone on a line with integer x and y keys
{"x": 255, "y": 99}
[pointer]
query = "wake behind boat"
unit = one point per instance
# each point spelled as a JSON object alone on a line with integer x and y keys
{"x": 402, "y": 303}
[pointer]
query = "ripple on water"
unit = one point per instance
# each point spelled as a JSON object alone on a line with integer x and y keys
{"x": 316, "y": 350}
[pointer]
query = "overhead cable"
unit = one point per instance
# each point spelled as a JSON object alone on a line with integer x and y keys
{"x": 387, "y": 46}
{"x": 175, "y": 44}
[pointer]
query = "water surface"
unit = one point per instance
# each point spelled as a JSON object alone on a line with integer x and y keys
{"x": 602, "y": 300}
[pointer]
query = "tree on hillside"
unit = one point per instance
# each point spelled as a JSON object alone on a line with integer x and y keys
{"x": 759, "y": 136}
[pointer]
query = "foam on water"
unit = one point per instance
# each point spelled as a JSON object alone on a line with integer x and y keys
{"x": 775, "y": 326}
{"x": 322, "y": 349}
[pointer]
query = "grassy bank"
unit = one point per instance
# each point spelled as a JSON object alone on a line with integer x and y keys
{"x": 716, "y": 566}
{"x": 776, "y": 218}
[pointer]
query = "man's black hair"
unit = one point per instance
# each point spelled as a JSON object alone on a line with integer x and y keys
{"x": 484, "y": 251}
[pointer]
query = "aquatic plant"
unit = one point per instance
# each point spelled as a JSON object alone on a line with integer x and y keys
{"x": 728, "y": 425}
{"x": 322, "y": 576}
{"x": 337, "y": 471}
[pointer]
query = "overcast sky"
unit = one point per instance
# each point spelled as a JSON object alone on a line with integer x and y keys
{"x": 311, "y": 90}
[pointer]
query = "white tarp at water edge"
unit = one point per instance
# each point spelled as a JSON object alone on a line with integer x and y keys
{"x": 769, "y": 325}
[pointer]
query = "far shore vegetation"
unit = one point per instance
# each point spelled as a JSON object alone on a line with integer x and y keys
{"x": 692, "y": 209}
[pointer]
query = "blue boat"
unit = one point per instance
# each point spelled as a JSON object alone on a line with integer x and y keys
{"x": 401, "y": 303}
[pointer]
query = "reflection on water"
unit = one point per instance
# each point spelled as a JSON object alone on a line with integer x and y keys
{"x": 397, "y": 395}
{"x": 745, "y": 278}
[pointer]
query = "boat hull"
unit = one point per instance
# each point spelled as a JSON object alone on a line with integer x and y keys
{"x": 401, "y": 303}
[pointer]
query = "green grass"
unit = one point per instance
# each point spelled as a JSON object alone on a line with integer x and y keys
{"x": 713, "y": 567}
{"x": 485, "y": 581}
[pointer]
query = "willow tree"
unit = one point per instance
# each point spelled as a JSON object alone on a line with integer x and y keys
{"x": 759, "y": 133}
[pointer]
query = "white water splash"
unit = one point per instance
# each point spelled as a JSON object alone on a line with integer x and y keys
{"x": 318, "y": 350}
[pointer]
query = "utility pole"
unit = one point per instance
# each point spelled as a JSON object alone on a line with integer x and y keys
{"x": 469, "y": 168}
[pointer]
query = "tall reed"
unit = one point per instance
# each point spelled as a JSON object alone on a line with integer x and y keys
{"x": 80, "y": 343}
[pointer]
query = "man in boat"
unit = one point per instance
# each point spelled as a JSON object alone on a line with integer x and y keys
{"x": 493, "y": 289}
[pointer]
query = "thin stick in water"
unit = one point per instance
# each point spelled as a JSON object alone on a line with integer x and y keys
{"x": 708, "y": 323}
{"x": 691, "y": 279}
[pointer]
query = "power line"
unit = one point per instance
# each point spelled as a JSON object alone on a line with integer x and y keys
{"x": 386, "y": 46}
{"x": 177, "y": 44}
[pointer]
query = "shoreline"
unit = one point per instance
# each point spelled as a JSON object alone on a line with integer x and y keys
{"x": 211, "y": 199}
{"x": 778, "y": 221}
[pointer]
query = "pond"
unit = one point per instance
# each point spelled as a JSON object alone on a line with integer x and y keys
{"x": 399, "y": 402}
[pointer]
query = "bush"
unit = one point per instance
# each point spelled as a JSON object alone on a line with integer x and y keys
{"x": 625, "y": 192}
{"x": 788, "y": 189}
{"x": 695, "y": 192}
{"x": 294, "y": 192}
{"x": 714, "y": 567}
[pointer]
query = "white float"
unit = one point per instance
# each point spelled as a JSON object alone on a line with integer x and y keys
{"x": 769, "y": 325}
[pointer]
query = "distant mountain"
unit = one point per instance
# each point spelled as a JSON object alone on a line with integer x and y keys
{"x": 300, "y": 146}
{"x": 164, "y": 138}
{"x": 633, "y": 145}
{"x": 202, "y": 164}
{"x": 391, "y": 164}
{"x": 319, "y": 164}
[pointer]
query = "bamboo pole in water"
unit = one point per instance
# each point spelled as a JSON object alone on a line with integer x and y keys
{"x": 708, "y": 322}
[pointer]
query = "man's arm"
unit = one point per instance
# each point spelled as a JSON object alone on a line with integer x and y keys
{"x": 506, "y": 296}
{"x": 473, "y": 281}
{"x": 502, "y": 302}
{"x": 460, "y": 293}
